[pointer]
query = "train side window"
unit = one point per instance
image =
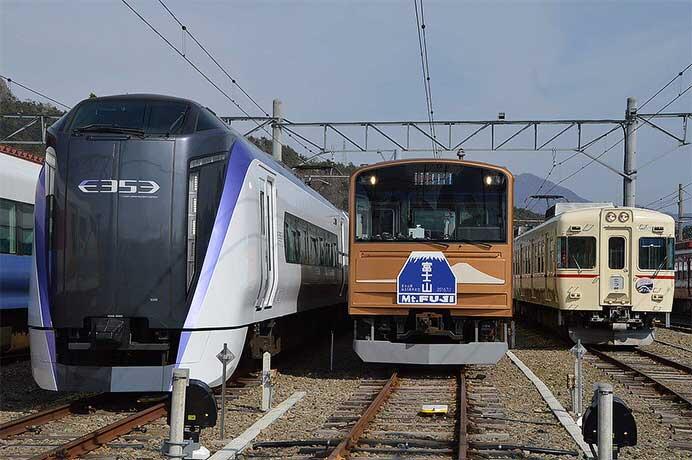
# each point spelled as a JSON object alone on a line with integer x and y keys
{"x": 576, "y": 252}
{"x": 8, "y": 227}
{"x": 616, "y": 252}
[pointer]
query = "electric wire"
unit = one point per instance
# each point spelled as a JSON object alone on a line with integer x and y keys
{"x": 672, "y": 204}
{"x": 577, "y": 153}
{"x": 38, "y": 93}
{"x": 186, "y": 30}
{"x": 666, "y": 196}
{"x": 420, "y": 28}
{"x": 194, "y": 66}
{"x": 594, "y": 159}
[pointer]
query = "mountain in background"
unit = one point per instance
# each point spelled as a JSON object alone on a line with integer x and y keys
{"x": 527, "y": 184}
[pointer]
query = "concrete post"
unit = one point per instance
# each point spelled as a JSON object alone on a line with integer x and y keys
{"x": 681, "y": 213}
{"x": 222, "y": 430}
{"x": 266, "y": 382}
{"x": 605, "y": 421}
{"x": 180, "y": 381}
{"x": 331, "y": 353}
{"x": 630, "y": 166}
{"x": 276, "y": 131}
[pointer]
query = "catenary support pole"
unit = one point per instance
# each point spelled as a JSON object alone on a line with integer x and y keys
{"x": 276, "y": 131}
{"x": 180, "y": 381}
{"x": 681, "y": 213}
{"x": 605, "y": 421}
{"x": 630, "y": 166}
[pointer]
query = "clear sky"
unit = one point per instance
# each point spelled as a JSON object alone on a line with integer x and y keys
{"x": 349, "y": 60}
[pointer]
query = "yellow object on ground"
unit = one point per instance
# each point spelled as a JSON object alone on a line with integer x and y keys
{"x": 434, "y": 409}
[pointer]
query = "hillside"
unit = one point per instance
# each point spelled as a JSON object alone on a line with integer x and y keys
{"x": 527, "y": 184}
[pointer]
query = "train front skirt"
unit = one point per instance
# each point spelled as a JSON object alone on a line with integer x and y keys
{"x": 449, "y": 354}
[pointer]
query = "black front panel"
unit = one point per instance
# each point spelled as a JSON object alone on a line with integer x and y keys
{"x": 143, "y": 248}
{"x": 117, "y": 223}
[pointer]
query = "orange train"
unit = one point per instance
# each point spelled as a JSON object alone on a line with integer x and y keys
{"x": 430, "y": 278}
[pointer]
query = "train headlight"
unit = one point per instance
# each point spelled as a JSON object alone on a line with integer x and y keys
{"x": 610, "y": 217}
{"x": 373, "y": 180}
{"x": 623, "y": 217}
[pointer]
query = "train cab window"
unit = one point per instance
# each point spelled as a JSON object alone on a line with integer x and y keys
{"x": 616, "y": 252}
{"x": 149, "y": 116}
{"x": 206, "y": 120}
{"x": 431, "y": 201}
{"x": 576, "y": 252}
{"x": 656, "y": 253}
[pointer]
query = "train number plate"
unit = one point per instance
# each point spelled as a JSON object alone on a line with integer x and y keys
{"x": 617, "y": 283}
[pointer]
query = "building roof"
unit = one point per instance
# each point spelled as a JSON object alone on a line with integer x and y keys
{"x": 7, "y": 150}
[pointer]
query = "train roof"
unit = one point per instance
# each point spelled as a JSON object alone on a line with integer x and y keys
{"x": 593, "y": 211}
{"x": 18, "y": 176}
{"x": 22, "y": 154}
{"x": 257, "y": 153}
{"x": 384, "y": 164}
{"x": 560, "y": 208}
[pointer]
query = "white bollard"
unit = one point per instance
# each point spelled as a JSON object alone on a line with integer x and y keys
{"x": 605, "y": 421}
{"x": 266, "y": 382}
{"x": 175, "y": 439}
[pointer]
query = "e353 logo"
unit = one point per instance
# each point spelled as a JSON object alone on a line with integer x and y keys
{"x": 142, "y": 187}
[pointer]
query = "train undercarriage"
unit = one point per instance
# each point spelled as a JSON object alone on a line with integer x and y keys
{"x": 614, "y": 326}
{"x": 430, "y": 338}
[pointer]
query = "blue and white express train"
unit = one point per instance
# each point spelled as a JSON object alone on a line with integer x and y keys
{"x": 18, "y": 174}
{"x": 162, "y": 234}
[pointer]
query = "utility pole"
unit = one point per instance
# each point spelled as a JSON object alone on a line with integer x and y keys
{"x": 630, "y": 168}
{"x": 276, "y": 131}
{"x": 681, "y": 224}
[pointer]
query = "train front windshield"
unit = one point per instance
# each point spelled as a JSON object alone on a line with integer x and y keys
{"x": 431, "y": 201}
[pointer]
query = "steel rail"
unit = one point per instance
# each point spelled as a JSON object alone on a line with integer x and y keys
{"x": 674, "y": 345}
{"x": 463, "y": 418}
{"x": 622, "y": 365}
{"x": 23, "y": 424}
{"x": 664, "y": 360}
{"x": 341, "y": 451}
{"x": 98, "y": 438}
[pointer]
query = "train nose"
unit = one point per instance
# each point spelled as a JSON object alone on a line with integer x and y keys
{"x": 116, "y": 231}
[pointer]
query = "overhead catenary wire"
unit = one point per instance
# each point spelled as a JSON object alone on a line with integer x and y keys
{"x": 425, "y": 67}
{"x": 594, "y": 159}
{"x": 198, "y": 70}
{"x": 673, "y": 203}
{"x": 186, "y": 31}
{"x": 578, "y": 152}
{"x": 666, "y": 196}
{"x": 38, "y": 93}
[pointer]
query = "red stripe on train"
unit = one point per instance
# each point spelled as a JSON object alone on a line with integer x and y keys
{"x": 657, "y": 277}
{"x": 570, "y": 275}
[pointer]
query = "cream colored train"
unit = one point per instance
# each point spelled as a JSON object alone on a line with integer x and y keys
{"x": 599, "y": 271}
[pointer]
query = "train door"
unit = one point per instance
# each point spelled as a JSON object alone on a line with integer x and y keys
{"x": 267, "y": 243}
{"x": 616, "y": 264}
{"x": 551, "y": 269}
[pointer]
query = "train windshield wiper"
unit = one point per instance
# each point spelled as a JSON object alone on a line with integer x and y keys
{"x": 104, "y": 128}
{"x": 663, "y": 262}
{"x": 477, "y": 243}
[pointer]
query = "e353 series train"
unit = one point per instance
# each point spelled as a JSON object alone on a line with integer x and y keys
{"x": 162, "y": 234}
{"x": 601, "y": 272}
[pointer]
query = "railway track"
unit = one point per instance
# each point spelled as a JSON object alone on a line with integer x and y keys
{"x": 664, "y": 382}
{"x": 387, "y": 419}
{"x": 65, "y": 436}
